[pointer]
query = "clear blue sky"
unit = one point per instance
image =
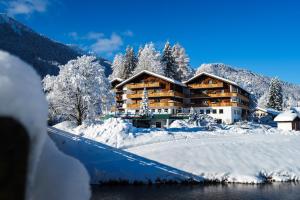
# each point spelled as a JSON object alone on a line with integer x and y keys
{"x": 260, "y": 35}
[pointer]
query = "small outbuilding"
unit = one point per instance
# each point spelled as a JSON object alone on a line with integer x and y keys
{"x": 289, "y": 120}
{"x": 263, "y": 112}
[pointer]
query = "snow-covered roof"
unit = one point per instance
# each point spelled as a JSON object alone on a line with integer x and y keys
{"x": 287, "y": 116}
{"x": 153, "y": 74}
{"x": 216, "y": 77}
{"x": 296, "y": 109}
{"x": 117, "y": 79}
{"x": 268, "y": 110}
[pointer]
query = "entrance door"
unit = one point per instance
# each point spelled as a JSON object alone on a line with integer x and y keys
{"x": 158, "y": 124}
{"x": 297, "y": 125}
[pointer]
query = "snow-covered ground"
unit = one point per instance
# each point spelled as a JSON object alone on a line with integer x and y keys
{"x": 241, "y": 153}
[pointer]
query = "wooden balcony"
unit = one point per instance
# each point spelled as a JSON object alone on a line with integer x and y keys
{"x": 155, "y": 105}
{"x": 220, "y": 95}
{"x": 222, "y": 104}
{"x": 214, "y": 95}
{"x": 206, "y": 86}
{"x": 119, "y": 98}
{"x": 143, "y": 85}
{"x": 118, "y": 91}
{"x": 156, "y": 94}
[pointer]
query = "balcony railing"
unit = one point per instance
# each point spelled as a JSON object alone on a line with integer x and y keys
{"x": 213, "y": 95}
{"x": 143, "y": 85}
{"x": 222, "y": 104}
{"x": 156, "y": 104}
{"x": 203, "y": 86}
{"x": 218, "y": 95}
{"x": 156, "y": 94}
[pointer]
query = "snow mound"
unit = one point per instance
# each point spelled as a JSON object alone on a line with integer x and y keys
{"x": 205, "y": 121}
{"x": 51, "y": 174}
{"x": 181, "y": 124}
{"x": 65, "y": 125}
{"x": 20, "y": 95}
{"x": 112, "y": 131}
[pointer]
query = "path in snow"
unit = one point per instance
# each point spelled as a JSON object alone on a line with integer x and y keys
{"x": 105, "y": 163}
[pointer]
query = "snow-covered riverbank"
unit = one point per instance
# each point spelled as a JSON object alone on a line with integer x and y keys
{"x": 246, "y": 153}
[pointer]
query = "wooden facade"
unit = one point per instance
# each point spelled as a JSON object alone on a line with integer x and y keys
{"x": 204, "y": 90}
{"x": 162, "y": 94}
{"x": 207, "y": 91}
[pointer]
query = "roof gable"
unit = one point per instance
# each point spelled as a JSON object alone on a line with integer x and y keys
{"x": 216, "y": 77}
{"x": 152, "y": 74}
{"x": 287, "y": 116}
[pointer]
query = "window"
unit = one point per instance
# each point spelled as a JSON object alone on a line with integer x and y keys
{"x": 166, "y": 110}
{"x": 201, "y": 111}
{"x": 214, "y": 111}
{"x": 153, "y": 110}
{"x": 136, "y": 111}
{"x": 159, "y": 110}
{"x": 207, "y": 111}
{"x": 179, "y": 111}
{"x": 221, "y": 111}
{"x": 234, "y": 99}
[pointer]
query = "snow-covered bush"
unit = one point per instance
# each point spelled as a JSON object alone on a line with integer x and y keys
{"x": 80, "y": 91}
{"x": 203, "y": 120}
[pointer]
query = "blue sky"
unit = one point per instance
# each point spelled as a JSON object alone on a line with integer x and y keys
{"x": 263, "y": 36}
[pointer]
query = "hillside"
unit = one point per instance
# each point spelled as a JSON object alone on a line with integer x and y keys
{"x": 41, "y": 52}
{"x": 255, "y": 83}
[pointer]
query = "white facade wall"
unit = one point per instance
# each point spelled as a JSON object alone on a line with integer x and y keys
{"x": 228, "y": 116}
{"x": 285, "y": 126}
{"x": 154, "y": 111}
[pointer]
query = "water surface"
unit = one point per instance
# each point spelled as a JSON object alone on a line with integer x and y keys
{"x": 276, "y": 191}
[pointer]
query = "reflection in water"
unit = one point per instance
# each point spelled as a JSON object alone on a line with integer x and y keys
{"x": 276, "y": 191}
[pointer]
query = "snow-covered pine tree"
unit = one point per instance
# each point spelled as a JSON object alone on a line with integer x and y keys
{"x": 169, "y": 62}
{"x": 144, "y": 107}
{"x": 130, "y": 62}
{"x": 139, "y": 52}
{"x": 275, "y": 95}
{"x": 149, "y": 59}
{"x": 80, "y": 91}
{"x": 118, "y": 69}
{"x": 184, "y": 70}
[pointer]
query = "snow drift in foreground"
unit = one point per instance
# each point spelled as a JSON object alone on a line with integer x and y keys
{"x": 51, "y": 174}
{"x": 241, "y": 153}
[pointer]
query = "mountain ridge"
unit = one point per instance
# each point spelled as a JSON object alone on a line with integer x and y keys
{"x": 43, "y": 53}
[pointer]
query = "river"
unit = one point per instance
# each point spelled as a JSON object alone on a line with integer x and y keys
{"x": 275, "y": 191}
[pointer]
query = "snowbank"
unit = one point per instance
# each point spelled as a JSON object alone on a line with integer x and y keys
{"x": 51, "y": 174}
{"x": 242, "y": 153}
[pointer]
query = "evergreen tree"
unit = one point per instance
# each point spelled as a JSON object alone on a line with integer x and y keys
{"x": 144, "y": 107}
{"x": 275, "y": 95}
{"x": 149, "y": 59}
{"x": 169, "y": 62}
{"x": 139, "y": 52}
{"x": 182, "y": 61}
{"x": 130, "y": 62}
{"x": 118, "y": 69}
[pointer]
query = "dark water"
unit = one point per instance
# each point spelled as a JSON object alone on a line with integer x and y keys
{"x": 278, "y": 191}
